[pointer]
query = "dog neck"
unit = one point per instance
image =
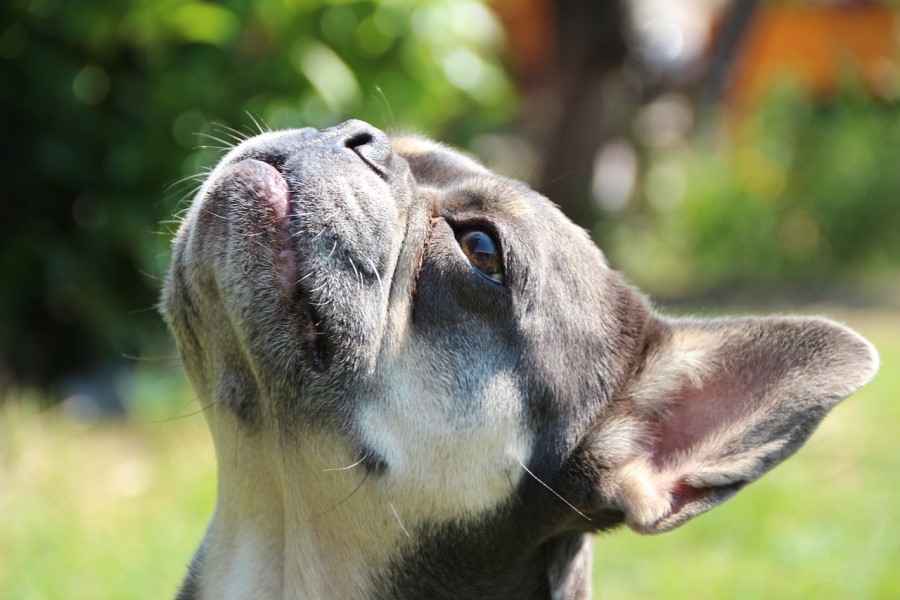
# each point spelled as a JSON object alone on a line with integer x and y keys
{"x": 290, "y": 522}
{"x": 304, "y": 520}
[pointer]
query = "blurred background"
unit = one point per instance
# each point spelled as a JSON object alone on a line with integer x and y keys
{"x": 727, "y": 155}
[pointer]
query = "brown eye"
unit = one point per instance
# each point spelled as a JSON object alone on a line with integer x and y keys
{"x": 482, "y": 252}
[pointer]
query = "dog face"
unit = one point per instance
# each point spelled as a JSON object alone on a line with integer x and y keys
{"x": 422, "y": 380}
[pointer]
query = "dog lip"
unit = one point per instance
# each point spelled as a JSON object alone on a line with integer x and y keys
{"x": 274, "y": 188}
{"x": 262, "y": 181}
{"x": 266, "y": 183}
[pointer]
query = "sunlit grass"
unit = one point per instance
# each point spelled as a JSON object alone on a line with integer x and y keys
{"x": 116, "y": 510}
{"x": 100, "y": 511}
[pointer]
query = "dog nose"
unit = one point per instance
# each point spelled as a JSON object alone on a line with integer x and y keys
{"x": 370, "y": 144}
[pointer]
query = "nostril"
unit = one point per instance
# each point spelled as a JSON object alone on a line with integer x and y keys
{"x": 373, "y": 147}
{"x": 360, "y": 139}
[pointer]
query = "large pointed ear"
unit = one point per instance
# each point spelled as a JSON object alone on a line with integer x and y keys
{"x": 713, "y": 406}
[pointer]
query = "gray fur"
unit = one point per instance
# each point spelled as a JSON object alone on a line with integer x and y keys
{"x": 391, "y": 424}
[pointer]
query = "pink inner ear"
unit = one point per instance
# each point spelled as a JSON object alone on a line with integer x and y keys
{"x": 696, "y": 414}
{"x": 742, "y": 382}
{"x": 684, "y": 493}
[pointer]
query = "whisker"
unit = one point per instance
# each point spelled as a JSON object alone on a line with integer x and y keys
{"x": 299, "y": 281}
{"x": 550, "y": 489}
{"x": 325, "y": 228}
{"x": 358, "y": 278}
{"x": 356, "y": 464}
{"x": 394, "y": 510}
{"x": 225, "y": 144}
{"x": 236, "y": 135}
{"x": 259, "y": 127}
{"x": 318, "y": 288}
{"x": 185, "y": 187}
{"x": 347, "y": 497}
{"x": 222, "y": 149}
{"x": 377, "y": 276}
{"x": 182, "y": 180}
{"x": 182, "y": 201}
{"x": 173, "y": 359}
{"x": 387, "y": 105}
{"x": 234, "y": 459}
{"x": 176, "y": 417}
{"x": 214, "y": 214}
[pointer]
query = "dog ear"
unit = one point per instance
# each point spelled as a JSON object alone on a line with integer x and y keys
{"x": 715, "y": 404}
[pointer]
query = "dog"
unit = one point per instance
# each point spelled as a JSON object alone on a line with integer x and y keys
{"x": 423, "y": 381}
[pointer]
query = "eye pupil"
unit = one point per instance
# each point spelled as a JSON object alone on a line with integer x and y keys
{"x": 481, "y": 250}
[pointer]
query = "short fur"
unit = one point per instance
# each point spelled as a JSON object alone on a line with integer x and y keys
{"x": 390, "y": 423}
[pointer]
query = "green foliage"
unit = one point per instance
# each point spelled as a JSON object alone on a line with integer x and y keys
{"x": 801, "y": 194}
{"x": 101, "y": 105}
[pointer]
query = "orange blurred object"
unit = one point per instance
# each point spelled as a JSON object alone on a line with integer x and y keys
{"x": 531, "y": 27}
{"x": 813, "y": 44}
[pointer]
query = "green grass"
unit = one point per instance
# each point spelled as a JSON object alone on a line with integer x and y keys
{"x": 115, "y": 510}
{"x": 100, "y": 511}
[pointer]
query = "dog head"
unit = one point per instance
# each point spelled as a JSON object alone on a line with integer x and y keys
{"x": 414, "y": 365}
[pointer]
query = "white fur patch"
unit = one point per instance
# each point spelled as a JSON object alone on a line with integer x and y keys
{"x": 447, "y": 457}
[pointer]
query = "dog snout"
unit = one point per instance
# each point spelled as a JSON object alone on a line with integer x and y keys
{"x": 370, "y": 144}
{"x": 273, "y": 148}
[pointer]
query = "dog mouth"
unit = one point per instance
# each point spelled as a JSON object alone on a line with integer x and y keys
{"x": 301, "y": 230}
{"x": 268, "y": 188}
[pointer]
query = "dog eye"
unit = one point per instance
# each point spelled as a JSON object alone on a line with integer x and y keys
{"x": 482, "y": 252}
